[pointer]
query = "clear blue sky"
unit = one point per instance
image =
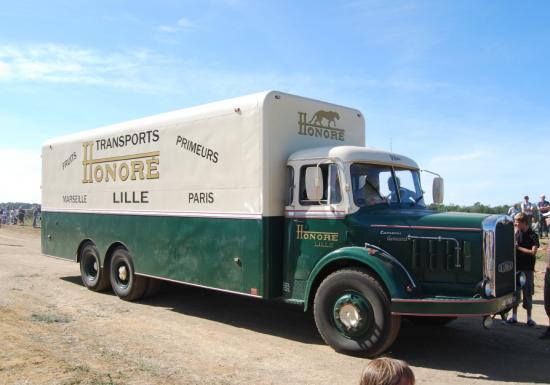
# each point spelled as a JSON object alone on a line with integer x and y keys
{"x": 463, "y": 87}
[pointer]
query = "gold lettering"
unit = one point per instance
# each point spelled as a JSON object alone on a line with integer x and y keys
{"x": 141, "y": 166}
{"x": 87, "y": 162}
{"x": 123, "y": 174}
{"x": 152, "y": 171}
{"x": 98, "y": 173}
{"x": 110, "y": 172}
{"x": 137, "y": 168}
{"x": 315, "y": 235}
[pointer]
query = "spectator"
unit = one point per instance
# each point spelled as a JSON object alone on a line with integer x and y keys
{"x": 513, "y": 210}
{"x": 13, "y": 217}
{"x": 527, "y": 243}
{"x": 527, "y": 208}
{"x": 387, "y": 371}
{"x": 546, "y": 334}
{"x": 546, "y": 219}
{"x": 37, "y": 212}
{"x": 21, "y": 216}
{"x": 544, "y": 207}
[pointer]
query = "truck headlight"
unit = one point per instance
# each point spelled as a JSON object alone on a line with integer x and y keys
{"x": 521, "y": 279}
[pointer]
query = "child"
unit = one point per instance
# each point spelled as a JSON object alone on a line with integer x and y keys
{"x": 387, "y": 371}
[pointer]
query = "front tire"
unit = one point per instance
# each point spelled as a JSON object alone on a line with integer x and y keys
{"x": 352, "y": 313}
{"x": 93, "y": 276}
{"x": 126, "y": 284}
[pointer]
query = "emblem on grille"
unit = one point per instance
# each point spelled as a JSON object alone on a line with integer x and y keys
{"x": 505, "y": 267}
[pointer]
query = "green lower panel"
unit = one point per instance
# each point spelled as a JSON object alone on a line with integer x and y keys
{"x": 240, "y": 255}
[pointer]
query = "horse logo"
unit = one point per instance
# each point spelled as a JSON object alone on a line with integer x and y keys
{"x": 321, "y": 125}
{"x": 329, "y": 116}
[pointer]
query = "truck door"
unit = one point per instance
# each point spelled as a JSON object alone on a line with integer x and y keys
{"x": 314, "y": 225}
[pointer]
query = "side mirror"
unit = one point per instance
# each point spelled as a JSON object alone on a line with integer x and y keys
{"x": 314, "y": 183}
{"x": 437, "y": 190}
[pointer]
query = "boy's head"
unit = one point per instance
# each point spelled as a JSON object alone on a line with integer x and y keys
{"x": 387, "y": 371}
{"x": 521, "y": 222}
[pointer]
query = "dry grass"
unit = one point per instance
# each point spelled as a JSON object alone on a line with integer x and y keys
{"x": 541, "y": 253}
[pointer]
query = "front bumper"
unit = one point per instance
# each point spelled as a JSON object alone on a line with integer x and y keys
{"x": 453, "y": 306}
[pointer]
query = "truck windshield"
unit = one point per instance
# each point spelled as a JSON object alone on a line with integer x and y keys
{"x": 376, "y": 184}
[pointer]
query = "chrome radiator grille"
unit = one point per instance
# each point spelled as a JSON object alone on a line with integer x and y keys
{"x": 499, "y": 254}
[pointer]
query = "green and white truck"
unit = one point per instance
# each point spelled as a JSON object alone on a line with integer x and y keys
{"x": 273, "y": 196}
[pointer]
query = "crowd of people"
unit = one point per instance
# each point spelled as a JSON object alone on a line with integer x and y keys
{"x": 531, "y": 223}
{"x": 538, "y": 214}
{"x": 16, "y": 216}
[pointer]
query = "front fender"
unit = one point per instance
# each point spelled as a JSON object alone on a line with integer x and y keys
{"x": 389, "y": 270}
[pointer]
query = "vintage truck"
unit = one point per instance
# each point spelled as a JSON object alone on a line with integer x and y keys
{"x": 272, "y": 195}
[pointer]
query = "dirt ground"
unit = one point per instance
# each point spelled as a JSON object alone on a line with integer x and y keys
{"x": 55, "y": 331}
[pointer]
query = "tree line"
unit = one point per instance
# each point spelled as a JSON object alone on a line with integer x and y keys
{"x": 477, "y": 207}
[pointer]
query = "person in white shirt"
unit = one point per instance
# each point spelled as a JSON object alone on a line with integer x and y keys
{"x": 513, "y": 210}
{"x": 528, "y": 209}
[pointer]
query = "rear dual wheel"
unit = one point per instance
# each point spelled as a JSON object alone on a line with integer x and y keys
{"x": 352, "y": 313}
{"x": 125, "y": 283}
{"x": 93, "y": 276}
{"x": 120, "y": 274}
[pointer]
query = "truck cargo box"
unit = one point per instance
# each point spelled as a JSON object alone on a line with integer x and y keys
{"x": 196, "y": 195}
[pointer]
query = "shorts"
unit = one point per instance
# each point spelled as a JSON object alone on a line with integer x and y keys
{"x": 528, "y": 290}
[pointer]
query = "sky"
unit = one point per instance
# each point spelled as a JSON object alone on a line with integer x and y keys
{"x": 460, "y": 86}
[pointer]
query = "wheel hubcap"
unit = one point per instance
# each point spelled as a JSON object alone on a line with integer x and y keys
{"x": 91, "y": 267}
{"x": 123, "y": 273}
{"x": 349, "y": 316}
{"x": 352, "y": 314}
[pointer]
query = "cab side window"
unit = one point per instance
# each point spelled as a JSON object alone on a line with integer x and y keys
{"x": 331, "y": 185}
{"x": 289, "y": 196}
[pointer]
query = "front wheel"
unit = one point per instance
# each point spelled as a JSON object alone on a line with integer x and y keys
{"x": 126, "y": 284}
{"x": 352, "y": 313}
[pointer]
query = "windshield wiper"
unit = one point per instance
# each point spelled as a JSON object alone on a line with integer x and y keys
{"x": 418, "y": 199}
{"x": 375, "y": 189}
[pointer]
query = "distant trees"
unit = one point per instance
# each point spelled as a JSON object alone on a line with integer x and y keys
{"x": 17, "y": 205}
{"x": 477, "y": 207}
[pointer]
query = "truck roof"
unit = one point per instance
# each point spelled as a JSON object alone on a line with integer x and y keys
{"x": 193, "y": 113}
{"x": 355, "y": 154}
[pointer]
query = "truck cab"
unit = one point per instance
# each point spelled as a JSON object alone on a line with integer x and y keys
{"x": 363, "y": 249}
